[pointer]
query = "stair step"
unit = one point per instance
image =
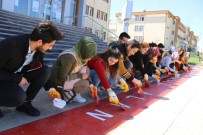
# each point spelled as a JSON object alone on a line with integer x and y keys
{"x": 12, "y": 24}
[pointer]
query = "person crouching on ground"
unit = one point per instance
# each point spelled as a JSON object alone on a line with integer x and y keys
{"x": 125, "y": 65}
{"x": 69, "y": 73}
{"x": 21, "y": 63}
{"x": 138, "y": 64}
{"x": 104, "y": 69}
{"x": 166, "y": 62}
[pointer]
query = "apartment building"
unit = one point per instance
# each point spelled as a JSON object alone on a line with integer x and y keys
{"x": 97, "y": 17}
{"x": 156, "y": 26}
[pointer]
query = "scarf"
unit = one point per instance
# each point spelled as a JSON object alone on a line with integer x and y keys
{"x": 84, "y": 49}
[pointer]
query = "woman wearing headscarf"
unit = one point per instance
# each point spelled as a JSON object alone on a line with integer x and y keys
{"x": 69, "y": 72}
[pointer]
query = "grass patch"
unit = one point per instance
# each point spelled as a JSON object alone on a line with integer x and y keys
{"x": 194, "y": 60}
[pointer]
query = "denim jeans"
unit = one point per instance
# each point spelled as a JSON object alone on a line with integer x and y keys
{"x": 128, "y": 64}
{"x": 96, "y": 81}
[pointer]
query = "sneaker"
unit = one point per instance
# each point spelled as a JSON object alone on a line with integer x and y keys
{"x": 79, "y": 98}
{"x": 28, "y": 109}
{"x": 1, "y": 114}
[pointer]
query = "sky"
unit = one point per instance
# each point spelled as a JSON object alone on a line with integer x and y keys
{"x": 190, "y": 11}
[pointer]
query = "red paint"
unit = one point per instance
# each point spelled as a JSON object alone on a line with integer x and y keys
{"x": 77, "y": 122}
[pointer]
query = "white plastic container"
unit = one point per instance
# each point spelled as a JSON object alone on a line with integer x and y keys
{"x": 177, "y": 75}
{"x": 59, "y": 103}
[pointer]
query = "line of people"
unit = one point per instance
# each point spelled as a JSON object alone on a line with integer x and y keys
{"x": 124, "y": 64}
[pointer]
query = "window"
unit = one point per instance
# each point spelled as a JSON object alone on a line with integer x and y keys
{"x": 136, "y": 28}
{"x": 104, "y": 36}
{"x": 105, "y": 17}
{"x": 137, "y": 18}
{"x": 171, "y": 42}
{"x": 172, "y": 32}
{"x": 136, "y": 38}
{"x": 140, "y": 38}
{"x": 101, "y": 15}
{"x": 97, "y": 32}
{"x": 89, "y": 10}
{"x": 106, "y": 1}
{"x": 142, "y": 18}
{"x": 141, "y": 28}
{"x": 98, "y": 14}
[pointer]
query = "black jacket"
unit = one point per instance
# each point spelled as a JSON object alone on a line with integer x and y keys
{"x": 137, "y": 60}
{"x": 13, "y": 51}
{"x": 123, "y": 49}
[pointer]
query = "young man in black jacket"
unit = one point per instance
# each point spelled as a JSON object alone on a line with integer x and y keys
{"x": 123, "y": 38}
{"x": 21, "y": 63}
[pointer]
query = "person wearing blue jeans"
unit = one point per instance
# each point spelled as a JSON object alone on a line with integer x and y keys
{"x": 104, "y": 69}
{"x": 96, "y": 81}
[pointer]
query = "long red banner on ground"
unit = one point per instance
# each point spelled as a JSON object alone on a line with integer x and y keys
{"x": 100, "y": 119}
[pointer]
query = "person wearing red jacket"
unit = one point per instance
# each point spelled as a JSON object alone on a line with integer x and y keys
{"x": 104, "y": 69}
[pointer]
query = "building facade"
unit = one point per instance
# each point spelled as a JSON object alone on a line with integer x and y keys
{"x": 89, "y": 14}
{"x": 97, "y": 17}
{"x": 156, "y": 26}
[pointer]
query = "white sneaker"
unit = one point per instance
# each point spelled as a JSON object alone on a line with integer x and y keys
{"x": 79, "y": 98}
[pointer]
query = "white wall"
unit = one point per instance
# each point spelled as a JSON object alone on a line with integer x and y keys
{"x": 181, "y": 33}
{"x": 154, "y": 28}
{"x": 170, "y": 29}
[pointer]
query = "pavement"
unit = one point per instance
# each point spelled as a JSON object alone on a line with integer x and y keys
{"x": 178, "y": 111}
{"x": 181, "y": 115}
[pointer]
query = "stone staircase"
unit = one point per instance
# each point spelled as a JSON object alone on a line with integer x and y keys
{"x": 12, "y": 24}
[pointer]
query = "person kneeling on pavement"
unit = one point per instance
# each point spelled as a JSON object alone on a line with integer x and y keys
{"x": 104, "y": 68}
{"x": 69, "y": 75}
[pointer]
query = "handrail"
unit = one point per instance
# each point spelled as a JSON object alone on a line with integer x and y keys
{"x": 101, "y": 25}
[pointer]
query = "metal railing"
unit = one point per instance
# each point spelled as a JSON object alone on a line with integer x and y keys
{"x": 97, "y": 29}
{"x": 90, "y": 24}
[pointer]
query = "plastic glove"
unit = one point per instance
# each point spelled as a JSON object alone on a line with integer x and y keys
{"x": 179, "y": 62}
{"x": 156, "y": 77}
{"x": 158, "y": 73}
{"x": 175, "y": 72}
{"x": 136, "y": 82}
{"x": 189, "y": 68}
{"x": 53, "y": 93}
{"x": 146, "y": 77}
{"x": 140, "y": 91}
{"x": 112, "y": 97}
{"x": 163, "y": 70}
{"x": 185, "y": 68}
{"x": 124, "y": 85}
{"x": 93, "y": 91}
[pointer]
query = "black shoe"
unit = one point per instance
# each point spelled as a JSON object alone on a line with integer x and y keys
{"x": 29, "y": 109}
{"x": 1, "y": 114}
